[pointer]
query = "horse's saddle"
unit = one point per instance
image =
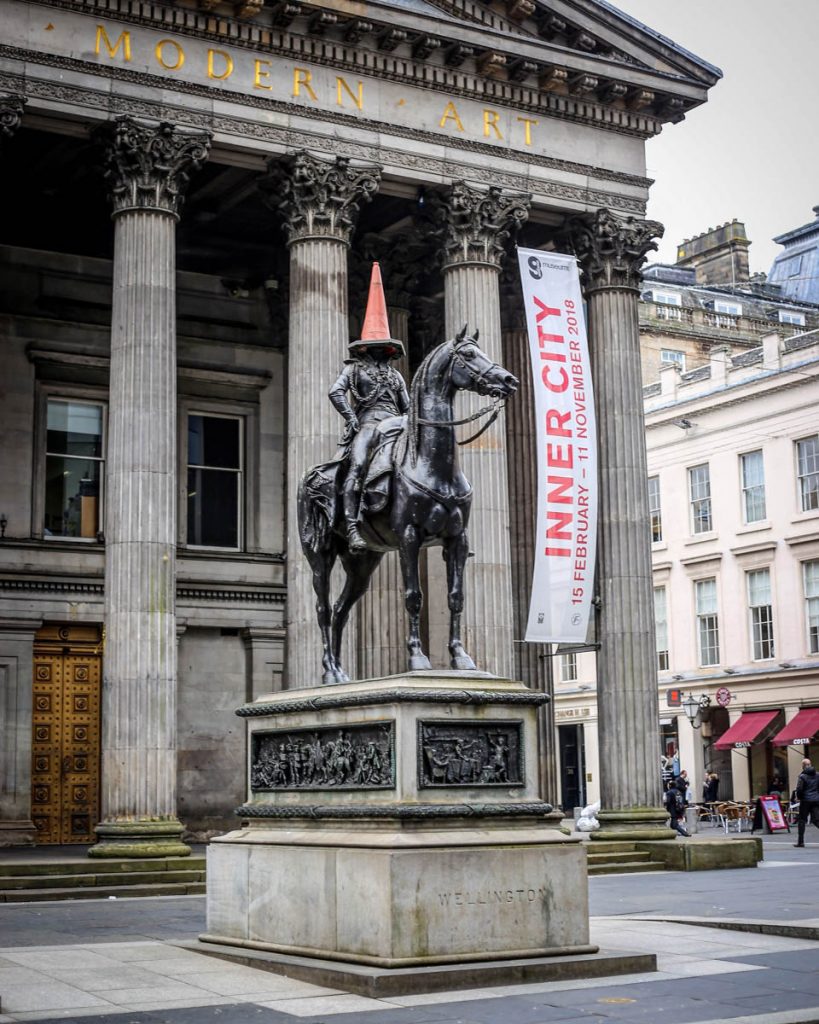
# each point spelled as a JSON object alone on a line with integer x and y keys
{"x": 323, "y": 483}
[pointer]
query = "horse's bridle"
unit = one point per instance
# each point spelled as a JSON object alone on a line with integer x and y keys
{"x": 498, "y": 402}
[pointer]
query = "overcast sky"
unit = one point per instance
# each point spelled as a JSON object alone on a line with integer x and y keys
{"x": 751, "y": 151}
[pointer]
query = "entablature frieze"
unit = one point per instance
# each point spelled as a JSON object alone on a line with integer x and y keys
{"x": 387, "y": 152}
{"x": 522, "y": 71}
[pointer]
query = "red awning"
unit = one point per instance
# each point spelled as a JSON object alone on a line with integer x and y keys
{"x": 801, "y": 729}
{"x": 745, "y": 729}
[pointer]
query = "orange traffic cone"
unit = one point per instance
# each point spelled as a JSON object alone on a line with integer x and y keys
{"x": 376, "y": 330}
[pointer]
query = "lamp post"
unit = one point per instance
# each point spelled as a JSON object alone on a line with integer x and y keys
{"x": 694, "y": 707}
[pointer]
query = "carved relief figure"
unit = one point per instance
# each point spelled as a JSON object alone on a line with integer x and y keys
{"x": 360, "y": 757}
{"x": 470, "y": 754}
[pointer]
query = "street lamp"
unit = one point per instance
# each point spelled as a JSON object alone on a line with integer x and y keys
{"x": 694, "y": 707}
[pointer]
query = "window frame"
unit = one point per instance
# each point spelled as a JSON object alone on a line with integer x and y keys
{"x": 663, "y": 658}
{"x": 674, "y": 361}
{"x": 81, "y": 395}
{"x": 655, "y": 511}
{"x": 792, "y": 316}
{"x": 812, "y": 638}
{"x": 801, "y": 493}
{"x": 568, "y": 661}
{"x": 694, "y": 503}
{"x": 760, "y": 619}
{"x": 703, "y": 627}
{"x": 727, "y": 308}
{"x": 746, "y": 489}
{"x": 216, "y": 410}
{"x": 667, "y": 298}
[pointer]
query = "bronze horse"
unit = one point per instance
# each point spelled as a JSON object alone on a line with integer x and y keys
{"x": 426, "y": 501}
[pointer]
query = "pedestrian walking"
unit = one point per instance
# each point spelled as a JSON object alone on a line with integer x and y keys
{"x": 807, "y": 793}
{"x": 675, "y": 805}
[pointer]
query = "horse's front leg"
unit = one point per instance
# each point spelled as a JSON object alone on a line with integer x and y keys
{"x": 321, "y": 565}
{"x": 456, "y": 550}
{"x": 409, "y": 550}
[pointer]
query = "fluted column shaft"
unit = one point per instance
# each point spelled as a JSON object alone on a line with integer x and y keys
{"x": 472, "y": 294}
{"x": 147, "y": 170}
{"x": 477, "y": 225}
{"x": 319, "y": 202}
{"x": 611, "y": 252}
{"x": 318, "y": 337}
{"x": 382, "y": 617}
{"x": 530, "y": 663}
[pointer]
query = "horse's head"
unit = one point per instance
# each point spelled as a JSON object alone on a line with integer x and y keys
{"x": 473, "y": 370}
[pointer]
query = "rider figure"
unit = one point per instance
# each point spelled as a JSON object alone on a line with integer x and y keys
{"x": 377, "y": 390}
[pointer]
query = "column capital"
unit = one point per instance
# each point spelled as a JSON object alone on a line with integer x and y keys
{"x": 478, "y": 223}
{"x": 148, "y": 166}
{"x": 318, "y": 198}
{"x": 611, "y": 249}
{"x": 11, "y": 114}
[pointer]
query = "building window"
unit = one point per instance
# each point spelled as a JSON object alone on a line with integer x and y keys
{"x": 667, "y": 298}
{"x": 810, "y": 572}
{"x": 761, "y": 610}
{"x": 215, "y": 472}
{"x": 732, "y": 308}
{"x": 75, "y": 446}
{"x": 753, "y": 487}
{"x": 661, "y": 628}
{"x": 699, "y": 485}
{"x": 705, "y": 592}
{"x": 668, "y": 305}
{"x": 672, "y": 356}
{"x": 787, "y": 316}
{"x": 654, "y": 510}
{"x": 568, "y": 668}
{"x": 807, "y": 468}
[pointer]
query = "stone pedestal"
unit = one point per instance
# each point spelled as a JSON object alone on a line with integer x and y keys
{"x": 396, "y": 823}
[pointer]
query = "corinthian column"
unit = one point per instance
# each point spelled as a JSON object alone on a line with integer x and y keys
{"x": 319, "y": 200}
{"x": 477, "y": 224}
{"x": 147, "y": 171}
{"x": 532, "y": 666}
{"x": 11, "y": 114}
{"x": 611, "y": 252}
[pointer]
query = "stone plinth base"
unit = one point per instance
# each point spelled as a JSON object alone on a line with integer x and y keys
{"x": 633, "y": 824}
{"x": 706, "y": 854}
{"x": 378, "y": 983}
{"x": 17, "y": 833}
{"x": 397, "y": 823}
{"x": 141, "y": 838}
{"x": 400, "y": 898}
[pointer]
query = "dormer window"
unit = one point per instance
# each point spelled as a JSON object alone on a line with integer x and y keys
{"x": 668, "y": 305}
{"x": 732, "y": 308}
{"x": 790, "y": 316}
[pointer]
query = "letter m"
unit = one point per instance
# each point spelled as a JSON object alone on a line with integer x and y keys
{"x": 124, "y": 41}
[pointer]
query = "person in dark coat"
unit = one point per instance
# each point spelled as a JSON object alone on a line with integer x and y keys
{"x": 807, "y": 793}
{"x": 710, "y": 788}
{"x": 674, "y": 801}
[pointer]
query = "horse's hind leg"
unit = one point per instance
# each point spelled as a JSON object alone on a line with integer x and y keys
{"x": 359, "y": 567}
{"x": 409, "y": 550}
{"x": 456, "y": 550}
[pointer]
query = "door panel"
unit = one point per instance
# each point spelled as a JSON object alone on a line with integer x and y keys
{"x": 66, "y": 737}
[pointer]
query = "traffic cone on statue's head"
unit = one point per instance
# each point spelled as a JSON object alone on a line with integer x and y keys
{"x": 376, "y": 330}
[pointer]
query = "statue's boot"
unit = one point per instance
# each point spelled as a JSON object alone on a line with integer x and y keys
{"x": 355, "y": 542}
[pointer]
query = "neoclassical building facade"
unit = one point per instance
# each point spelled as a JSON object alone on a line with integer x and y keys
{"x": 196, "y": 192}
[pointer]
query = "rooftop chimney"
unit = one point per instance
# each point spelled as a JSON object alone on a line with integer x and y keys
{"x": 719, "y": 256}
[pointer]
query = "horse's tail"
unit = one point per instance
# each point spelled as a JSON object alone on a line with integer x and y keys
{"x": 316, "y": 509}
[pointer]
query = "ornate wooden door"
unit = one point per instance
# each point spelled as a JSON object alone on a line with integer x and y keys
{"x": 66, "y": 737}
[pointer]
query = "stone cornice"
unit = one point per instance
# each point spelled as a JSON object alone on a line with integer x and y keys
{"x": 243, "y": 127}
{"x": 612, "y": 250}
{"x": 147, "y": 166}
{"x": 562, "y": 83}
{"x": 318, "y": 198}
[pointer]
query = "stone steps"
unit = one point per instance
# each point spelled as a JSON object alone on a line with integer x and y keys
{"x": 619, "y": 857}
{"x": 624, "y": 869}
{"x": 613, "y": 858}
{"x": 89, "y": 879}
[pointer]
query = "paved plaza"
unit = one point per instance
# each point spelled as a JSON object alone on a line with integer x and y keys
{"x": 120, "y": 961}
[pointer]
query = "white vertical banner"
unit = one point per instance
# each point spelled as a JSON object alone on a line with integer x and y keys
{"x": 566, "y": 432}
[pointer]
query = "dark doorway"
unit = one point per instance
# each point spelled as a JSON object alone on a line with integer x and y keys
{"x": 572, "y": 767}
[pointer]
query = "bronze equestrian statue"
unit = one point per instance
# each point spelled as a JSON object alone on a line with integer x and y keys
{"x": 408, "y": 490}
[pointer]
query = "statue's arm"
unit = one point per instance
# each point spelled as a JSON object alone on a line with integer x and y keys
{"x": 338, "y": 396}
{"x": 403, "y": 397}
